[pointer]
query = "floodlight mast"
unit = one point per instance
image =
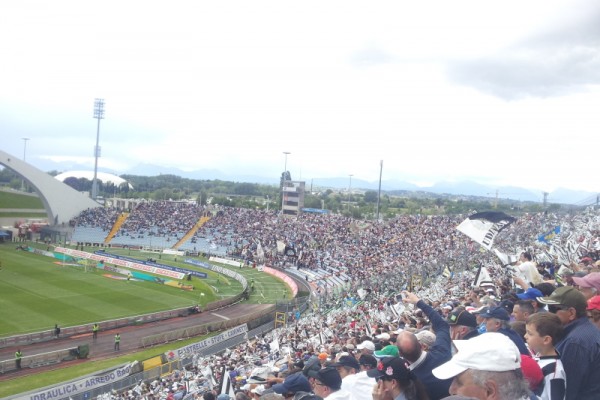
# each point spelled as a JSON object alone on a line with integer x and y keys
{"x": 98, "y": 114}
{"x": 284, "y": 179}
{"x": 25, "y": 139}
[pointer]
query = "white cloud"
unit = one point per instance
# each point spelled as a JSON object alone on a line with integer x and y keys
{"x": 499, "y": 92}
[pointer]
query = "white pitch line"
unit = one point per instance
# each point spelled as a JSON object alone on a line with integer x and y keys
{"x": 221, "y": 316}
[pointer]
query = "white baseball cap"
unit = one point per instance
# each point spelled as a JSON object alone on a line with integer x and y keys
{"x": 367, "y": 345}
{"x": 491, "y": 351}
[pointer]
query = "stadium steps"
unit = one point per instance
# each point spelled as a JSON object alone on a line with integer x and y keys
{"x": 116, "y": 226}
{"x": 302, "y": 273}
{"x": 88, "y": 234}
{"x": 191, "y": 232}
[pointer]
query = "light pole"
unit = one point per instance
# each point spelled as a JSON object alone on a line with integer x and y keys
{"x": 379, "y": 191}
{"x": 98, "y": 114}
{"x": 25, "y": 139}
{"x": 349, "y": 188}
{"x": 285, "y": 153}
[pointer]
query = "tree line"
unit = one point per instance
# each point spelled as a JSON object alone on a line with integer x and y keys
{"x": 358, "y": 204}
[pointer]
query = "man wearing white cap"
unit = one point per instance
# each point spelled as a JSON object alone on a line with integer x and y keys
{"x": 366, "y": 347}
{"x": 486, "y": 367}
{"x": 383, "y": 338}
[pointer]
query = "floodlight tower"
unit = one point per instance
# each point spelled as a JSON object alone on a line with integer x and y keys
{"x": 285, "y": 153}
{"x": 349, "y": 190}
{"x": 379, "y": 191}
{"x": 98, "y": 114}
{"x": 25, "y": 139}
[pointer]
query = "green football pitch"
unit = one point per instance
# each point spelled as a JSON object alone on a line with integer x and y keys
{"x": 37, "y": 292}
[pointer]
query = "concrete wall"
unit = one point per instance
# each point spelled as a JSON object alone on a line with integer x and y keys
{"x": 61, "y": 201}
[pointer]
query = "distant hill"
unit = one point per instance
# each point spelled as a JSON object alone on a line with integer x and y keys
{"x": 466, "y": 188}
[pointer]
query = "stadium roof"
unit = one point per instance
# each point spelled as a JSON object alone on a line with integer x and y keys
{"x": 105, "y": 177}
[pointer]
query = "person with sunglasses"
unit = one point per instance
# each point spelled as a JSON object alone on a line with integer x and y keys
{"x": 328, "y": 384}
{"x": 396, "y": 381}
{"x": 580, "y": 348}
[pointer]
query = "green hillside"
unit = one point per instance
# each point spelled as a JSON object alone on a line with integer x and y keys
{"x": 10, "y": 199}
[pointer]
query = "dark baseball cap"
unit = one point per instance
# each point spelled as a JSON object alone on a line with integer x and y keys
{"x": 498, "y": 312}
{"x": 347, "y": 361}
{"x": 368, "y": 361}
{"x": 329, "y": 376}
{"x": 566, "y": 296}
{"x": 391, "y": 367}
{"x": 293, "y": 383}
{"x": 462, "y": 317}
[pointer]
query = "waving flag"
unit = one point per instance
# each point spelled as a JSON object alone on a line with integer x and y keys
{"x": 483, "y": 277}
{"x": 548, "y": 236}
{"x": 483, "y": 227}
{"x": 507, "y": 259}
{"x": 447, "y": 273}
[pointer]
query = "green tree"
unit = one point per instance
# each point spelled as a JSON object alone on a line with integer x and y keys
{"x": 202, "y": 198}
{"x": 370, "y": 196}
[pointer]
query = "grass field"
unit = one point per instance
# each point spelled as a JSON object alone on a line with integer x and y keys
{"x": 10, "y": 199}
{"x": 36, "y": 293}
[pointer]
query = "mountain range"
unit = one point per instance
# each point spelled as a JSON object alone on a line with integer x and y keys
{"x": 465, "y": 188}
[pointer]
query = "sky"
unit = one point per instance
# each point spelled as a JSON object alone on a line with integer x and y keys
{"x": 497, "y": 92}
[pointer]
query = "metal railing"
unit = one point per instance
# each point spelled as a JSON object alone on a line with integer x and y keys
{"x": 39, "y": 360}
{"x": 30, "y": 338}
{"x": 160, "y": 371}
{"x": 201, "y": 329}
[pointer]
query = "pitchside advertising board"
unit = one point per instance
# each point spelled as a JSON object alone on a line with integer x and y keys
{"x": 122, "y": 263}
{"x": 189, "y": 350}
{"x": 197, "y": 274}
{"x": 83, "y": 385}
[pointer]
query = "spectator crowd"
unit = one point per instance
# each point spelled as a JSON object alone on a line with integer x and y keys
{"x": 425, "y": 312}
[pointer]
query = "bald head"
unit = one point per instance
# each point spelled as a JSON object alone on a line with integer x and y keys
{"x": 409, "y": 346}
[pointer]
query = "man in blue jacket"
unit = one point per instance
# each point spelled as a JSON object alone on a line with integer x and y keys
{"x": 580, "y": 348}
{"x": 497, "y": 320}
{"x": 422, "y": 362}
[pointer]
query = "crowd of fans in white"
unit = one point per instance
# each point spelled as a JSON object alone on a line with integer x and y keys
{"x": 367, "y": 316}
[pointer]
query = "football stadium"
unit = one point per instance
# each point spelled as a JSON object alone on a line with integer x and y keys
{"x": 173, "y": 300}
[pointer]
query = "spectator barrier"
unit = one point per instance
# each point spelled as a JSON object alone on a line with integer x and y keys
{"x": 151, "y": 374}
{"x": 40, "y": 360}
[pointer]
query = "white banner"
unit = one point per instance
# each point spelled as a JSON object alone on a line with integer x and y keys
{"x": 226, "y": 261}
{"x": 66, "y": 390}
{"x": 206, "y": 343}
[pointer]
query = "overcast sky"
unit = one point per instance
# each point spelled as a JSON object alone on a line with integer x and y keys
{"x": 500, "y": 92}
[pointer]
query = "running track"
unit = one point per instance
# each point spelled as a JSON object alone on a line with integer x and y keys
{"x": 131, "y": 337}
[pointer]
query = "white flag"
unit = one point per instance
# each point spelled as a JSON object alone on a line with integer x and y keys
{"x": 483, "y": 227}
